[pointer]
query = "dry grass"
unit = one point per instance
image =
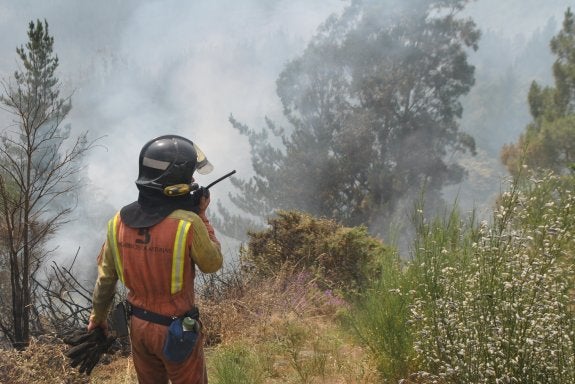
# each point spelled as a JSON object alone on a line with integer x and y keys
{"x": 289, "y": 326}
{"x": 280, "y": 326}
{"x": 287, "y": 321}
{"x": 42, "y": 362}
{"x": 119, "y": 371}
{"x": 250, "y": 309}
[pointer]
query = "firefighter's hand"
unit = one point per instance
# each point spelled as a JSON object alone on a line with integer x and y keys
{"x": 103, "y": 325}
{"x": 204, "y": 202}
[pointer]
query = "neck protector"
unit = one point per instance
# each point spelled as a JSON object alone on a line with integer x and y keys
{"x": 152, "y": 207}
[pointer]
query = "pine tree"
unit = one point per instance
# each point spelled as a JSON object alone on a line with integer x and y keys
{"x": 39, "y": 166}
{"x": 549, "y": 140}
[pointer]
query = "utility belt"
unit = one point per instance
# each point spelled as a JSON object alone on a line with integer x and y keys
{"x": 180, "y": 342}
{"x": 157, "y": 318}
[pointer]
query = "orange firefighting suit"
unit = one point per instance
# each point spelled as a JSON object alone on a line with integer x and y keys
{"x": 157, "y": 265}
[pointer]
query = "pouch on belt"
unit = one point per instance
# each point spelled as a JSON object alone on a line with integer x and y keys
{"x": 179, "y": 344}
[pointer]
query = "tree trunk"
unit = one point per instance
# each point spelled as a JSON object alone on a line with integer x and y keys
{"x": 20, "y": 338}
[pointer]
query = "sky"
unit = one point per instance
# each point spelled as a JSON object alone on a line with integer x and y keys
{"x": 140, "y": 69}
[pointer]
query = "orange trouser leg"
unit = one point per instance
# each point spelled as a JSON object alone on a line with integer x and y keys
{"x": 151, "y": 366}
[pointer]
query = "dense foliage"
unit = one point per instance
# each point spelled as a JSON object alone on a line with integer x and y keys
{"x": 338, "y": 257}
{"x": 549, "y": 140}
{"x": 488, "y": 302}
{"x": 373, "y": 106}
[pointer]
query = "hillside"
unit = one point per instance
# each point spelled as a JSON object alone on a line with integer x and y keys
{"x": 263, "y": 324}
{"x": 315, "y": 302}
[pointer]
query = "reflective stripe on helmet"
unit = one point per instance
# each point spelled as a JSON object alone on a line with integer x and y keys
{"x": 178, "y": 256}
{"x": 113, "y": 244}
{"x": 156, "y": 164}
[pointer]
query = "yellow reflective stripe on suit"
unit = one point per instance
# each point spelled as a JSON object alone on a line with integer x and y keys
{"x": 113, "y": 244}
{"x": 179, "y": 256}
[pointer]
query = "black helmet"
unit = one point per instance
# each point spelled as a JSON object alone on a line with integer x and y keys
{"x": 169, "y": 160}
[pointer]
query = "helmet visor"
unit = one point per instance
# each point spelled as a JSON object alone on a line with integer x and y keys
{"x": 203, "y": 166}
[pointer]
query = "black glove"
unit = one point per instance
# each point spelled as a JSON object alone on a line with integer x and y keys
{"x": 94, "y": 353}
{"x": 198, "y": 193}
{"x": 88, "y": 348}
{"x": 80, "y": 336}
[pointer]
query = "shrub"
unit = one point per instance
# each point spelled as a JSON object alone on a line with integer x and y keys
{"x": 341, "y": 258}
{"x": 493, "y": 302}
{"x": 380, "y": 320}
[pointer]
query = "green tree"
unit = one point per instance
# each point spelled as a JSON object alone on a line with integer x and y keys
{"x": 372, "y": 107}
{"x": 549, "y": 140}
{"x": 39, "y": 167}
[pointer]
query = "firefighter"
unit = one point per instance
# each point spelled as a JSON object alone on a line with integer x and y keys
{"x": 153, "y": 247}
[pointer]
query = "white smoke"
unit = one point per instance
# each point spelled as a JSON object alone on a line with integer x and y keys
{"x": 140, "y": 69}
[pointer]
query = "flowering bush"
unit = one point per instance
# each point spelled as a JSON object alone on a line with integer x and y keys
{"x": 493, "y": 303}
